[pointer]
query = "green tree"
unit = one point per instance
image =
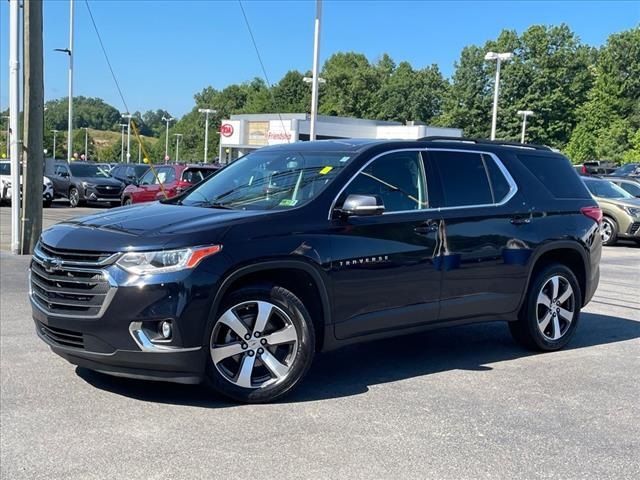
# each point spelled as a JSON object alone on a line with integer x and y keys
{"x": 610, "y": 119}
{"x": 292, "y": 94}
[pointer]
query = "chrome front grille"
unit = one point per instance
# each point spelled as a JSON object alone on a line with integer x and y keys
{"x": 71, "y": 284}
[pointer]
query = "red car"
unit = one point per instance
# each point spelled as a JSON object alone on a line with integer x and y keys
{"x": 174, "y": 178}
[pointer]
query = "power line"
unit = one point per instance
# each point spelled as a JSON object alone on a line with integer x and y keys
{"x": 104, "y": 51}
{"x": 264, "y": 70}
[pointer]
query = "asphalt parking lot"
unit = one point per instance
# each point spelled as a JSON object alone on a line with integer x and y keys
{"x": 456, "y": 403}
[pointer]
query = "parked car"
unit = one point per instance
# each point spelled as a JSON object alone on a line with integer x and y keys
{"x": 310, "y": 246}
{"x": 627, "y": 169}
{"x": 83, "y": 182}
{"x": 5, "y": 185}
{"x": 631, "y": 184}
{"x": 599, "y": 167}
{"x": 620, "y": 209}
{"x": 166, "y": 181}
{"x": 129, "y": 173}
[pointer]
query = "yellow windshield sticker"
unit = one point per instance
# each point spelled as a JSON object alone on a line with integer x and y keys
{"x": 325, "y": 170}
{"x": 287, "y": 202}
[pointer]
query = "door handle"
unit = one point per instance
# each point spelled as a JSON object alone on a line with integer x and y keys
{"x": 520, "y": 220}
{"x": 426, "y": 227}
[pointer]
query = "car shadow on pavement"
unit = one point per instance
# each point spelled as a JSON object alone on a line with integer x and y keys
{"x": 352, "y": 370}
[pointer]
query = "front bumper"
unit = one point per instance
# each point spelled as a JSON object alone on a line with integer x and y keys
{"x": 116, "y": 342}
{"x": 102, "y": 194}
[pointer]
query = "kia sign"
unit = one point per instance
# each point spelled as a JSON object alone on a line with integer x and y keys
{"x": 226, "y": 129}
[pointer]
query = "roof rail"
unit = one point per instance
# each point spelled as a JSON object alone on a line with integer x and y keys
{"x": 479, "y": 141}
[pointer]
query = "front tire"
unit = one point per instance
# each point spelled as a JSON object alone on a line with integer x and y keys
{"x": 126, "y": 202}
{"x": 609, "y": 231}
{"x": 261, "y": 344}
{"x": 551, "y": 311}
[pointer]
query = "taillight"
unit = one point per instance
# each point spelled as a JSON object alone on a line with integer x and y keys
{"x": 594, "y": 213}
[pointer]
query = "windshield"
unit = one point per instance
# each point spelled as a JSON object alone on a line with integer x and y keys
{"x": 268, "y": 180}
{"x": 86, "y": 170}
{"x": 631, "y": 168}
{"x": 604, "y": 189}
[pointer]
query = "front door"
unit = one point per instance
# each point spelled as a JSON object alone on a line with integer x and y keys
{"x": 383, "y": 276}
{"x": 482, "y": 252}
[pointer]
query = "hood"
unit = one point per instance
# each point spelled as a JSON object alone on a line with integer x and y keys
{"x": 146, "y": 226}
{"x": 100, "y": 181}
{"x": 625, "y": 202}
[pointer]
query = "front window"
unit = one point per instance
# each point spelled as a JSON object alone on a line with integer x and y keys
{"x": 5, "y": 168}
{"x": 604, "y": 189}
{"x": 269, "y": 180}
{"x": 631, "y": 168}
{"x": 89, "y": 171}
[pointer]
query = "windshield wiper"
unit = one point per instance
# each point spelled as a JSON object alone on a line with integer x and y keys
{"x": 209, "y": 204}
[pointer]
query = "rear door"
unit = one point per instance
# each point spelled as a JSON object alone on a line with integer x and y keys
{"x": 480, "y": 251}
{"x": 382, "y": 271}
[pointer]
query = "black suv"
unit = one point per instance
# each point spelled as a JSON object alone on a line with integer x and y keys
{"x": 83, "y": 182}
{"x": 310, "y": 246}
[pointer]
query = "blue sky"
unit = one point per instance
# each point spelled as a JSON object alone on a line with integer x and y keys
{"x": 165, "y": 51}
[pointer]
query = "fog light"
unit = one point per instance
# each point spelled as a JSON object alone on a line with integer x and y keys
{"x": 165, "y": 329}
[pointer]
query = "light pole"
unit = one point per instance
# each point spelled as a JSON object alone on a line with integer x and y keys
{"x": 525, "y": 114}
{"x": 206, "y": 112}
{"x": 166, "y": 139}
{"x": 54, "y": 143}
{"x": 86, "y": 141}
{"x": 498, "y": 57}
{"x": 14, "y": 113}
{"x": 69, "y": 52}
{"x": 178, "y": 137}
{"x": 315, "y": 79}
{"x": 128, "y": 117}
{"x": 122, "y": 125}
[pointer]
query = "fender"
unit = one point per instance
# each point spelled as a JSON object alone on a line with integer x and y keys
{"x": 548, "y": 247}
{"x": 270, "y": 265}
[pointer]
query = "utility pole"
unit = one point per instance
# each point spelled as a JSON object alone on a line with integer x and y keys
{"x": 54, "y": 143}
{"x": 14, "y": 114}
{"x": 525, "y": 114}
{"x": 315, "y": 73}
{"x": 178, "y": 137}
{"x": 139, "y": 152}
{"x": 8, "y": 134}
{"x": 34, "y": 128}
{"x": 166, "y": 138}
{"x": 122, "y": 125}
{"x": 498, "y": 57}
{"x": 86, "y": 142}
{"x": 128, "y": 117}
{"x": 206, "y": 112}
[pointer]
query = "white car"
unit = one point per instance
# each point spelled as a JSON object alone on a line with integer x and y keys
{"x": 5, "y": 185}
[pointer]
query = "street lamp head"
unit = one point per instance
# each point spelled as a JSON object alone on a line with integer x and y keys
{"x": 498, "y": 56}
{"x": 165, "y": 119}
{"x": 310, "y": 80}
{"x": 207, "y": 110}
{"x": 528, "y": 113}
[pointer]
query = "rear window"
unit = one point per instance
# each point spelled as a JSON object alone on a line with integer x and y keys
{"x": 557, "y": 174}
{"x": 196, "y": 175}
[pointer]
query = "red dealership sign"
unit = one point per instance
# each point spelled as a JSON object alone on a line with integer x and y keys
{"x": 226, "y": 129}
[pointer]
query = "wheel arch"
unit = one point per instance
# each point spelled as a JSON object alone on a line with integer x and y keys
{"x": 569, "y": 253}
{"x": 301, "y": 278}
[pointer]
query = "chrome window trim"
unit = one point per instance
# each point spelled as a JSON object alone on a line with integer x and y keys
{"x": 146, "y": 345}
{"x": 513, "y": 186}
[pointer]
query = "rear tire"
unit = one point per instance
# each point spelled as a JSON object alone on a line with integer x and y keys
{"x": 259, "y": 368}
{"x": 74, "y": 197}
{"x": 609, "y": 231}
{"x": 551, "y": 311}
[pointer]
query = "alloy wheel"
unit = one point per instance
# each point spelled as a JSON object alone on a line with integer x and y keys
{"x": 74, "y": 197}
{"x": 555, "y": 308}
{"x": 606, "y": 230}
{"x": 254, "y": 344}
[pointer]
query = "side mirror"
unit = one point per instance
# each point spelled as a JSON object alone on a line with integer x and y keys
{"x": 362, "y": 205}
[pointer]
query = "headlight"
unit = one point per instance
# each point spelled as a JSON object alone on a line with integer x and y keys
{"x": 88, "y": 185}
{"x": 164, "y": 261}
{"x": 633, "y": 211}
{"x": 47, "y": 181}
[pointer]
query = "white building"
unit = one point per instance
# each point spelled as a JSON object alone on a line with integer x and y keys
{"x": 243, "y": 133}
